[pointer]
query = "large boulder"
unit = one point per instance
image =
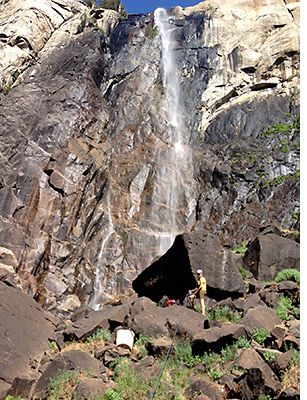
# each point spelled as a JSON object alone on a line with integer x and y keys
{"x": 26, "y": 331}
{"x": 259, "y": 374}
{"x": 201, "y": 385}
{"x": 216, "y": 338}
{"x": 72, "y": 360}
{"x": 260, "y": 317}
{"x": 163, "y": 322}
{"x": 269, "y": 254}
{"x": 108, "y": 318}
{"x": 175, "y": 272}
{"x": 206, "y": 252}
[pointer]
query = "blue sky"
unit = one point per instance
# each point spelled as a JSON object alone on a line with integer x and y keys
{"x": 143, "y": 6}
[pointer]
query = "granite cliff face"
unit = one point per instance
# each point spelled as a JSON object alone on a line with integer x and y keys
{"x": 86, "y": 139}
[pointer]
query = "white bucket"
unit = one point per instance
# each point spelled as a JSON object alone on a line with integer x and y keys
{"x": 125, "y": 338}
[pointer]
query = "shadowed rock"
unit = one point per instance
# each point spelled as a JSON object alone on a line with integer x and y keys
{"x": 269, "y": 254}
{"x": 260, "y": 317}
{"x": 216, "y": 338}
{"x": 25, "y": 333}
{"x": 258, "y": 372}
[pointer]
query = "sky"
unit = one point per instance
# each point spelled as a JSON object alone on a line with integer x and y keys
{"x": 145, "y": 6}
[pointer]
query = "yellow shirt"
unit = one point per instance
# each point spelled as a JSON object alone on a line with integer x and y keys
{"x": 202, "y": 283}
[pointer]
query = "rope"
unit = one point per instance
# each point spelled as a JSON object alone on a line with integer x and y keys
{"x": 169, "y": 350}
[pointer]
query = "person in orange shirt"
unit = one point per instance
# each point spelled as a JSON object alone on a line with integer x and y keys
{"x": 202, "y": 290}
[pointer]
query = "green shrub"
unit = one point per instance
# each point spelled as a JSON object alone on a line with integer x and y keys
{"x": 268, "y": 355}
{"x": 223, "y": 314}
{"x": 285, "y": 307}
{"x": 142, "y": 339}
{"x": 128, "y": 383}
{"x": 111, "y": 394}
{"x": 259, "y": 335}
{"x": 101, "y": 335}
{"x": 184, "y": 355}
{"x": 242, "y": 272}
{"x": 81, "y": 26}
{"x": 243, "y": 343}
{"x": 264, "y": 397}
{"x": 241, "y": 248}
{"x": 63, "y": 386}
{"x": 288, "y": 274}
{"x": 215, "y": 375}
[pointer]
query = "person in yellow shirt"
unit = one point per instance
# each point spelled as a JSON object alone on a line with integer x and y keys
{"x": 202, "y": 290}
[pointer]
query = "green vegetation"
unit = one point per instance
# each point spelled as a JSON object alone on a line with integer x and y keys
{"x": 281, "y": 179}
{"x": 241, "y": 247}
{"x": 242, "y": 272}
{"x": 264, "y": 397}
{"x": 281, "y": 138}
{"x": 115, "y": 5}
{"x": 174, "y": 375}
{"x": 223, "y": 314}
{"x": 288, "y": 274}
{"x": 285, "y": 308}
{"x": 110, "y": 394}
{"x": 211, "y": 11}
{"x": 140, "y": 345}
{"x": 52, "y": 345}
{"x": 268, "y": 355}
{"x": 63, "y": 386}
{"x": 101, "y": 335}
{"x": 153, "y": 32}
{"x": 259, "y": 335}
{"x": 81, "y": 26}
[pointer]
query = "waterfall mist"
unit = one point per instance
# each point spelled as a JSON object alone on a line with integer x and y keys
{"x": 143, "y": 215}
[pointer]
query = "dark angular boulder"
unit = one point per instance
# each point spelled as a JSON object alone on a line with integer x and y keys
{"x": 199, "y": 386}
{"x": 72, "y": 360}
{"x": 253, "y": 385}
{"x": 147, "y": 369}
{"x": 260, "y": 317}
{"x": 261, "y": 374}
{"x": 191, "y": 251}
{"x": 25, "y": 333}
{"x": 216, "y": 338}
{"x": 163, "y": 322}
{"x": 281, "y": 362}
{"x": 160, "y": 347}
{"x": 107, "y": 318}
{"x": 289, "y": 394}
{"x": 89, "y": 387}
{"x": 252, "y": 301}
{"x": 269, "y": 254}
{"x": 206, "y": 252}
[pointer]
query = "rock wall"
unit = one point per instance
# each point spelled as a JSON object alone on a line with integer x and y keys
{"x": 83, "y": 128}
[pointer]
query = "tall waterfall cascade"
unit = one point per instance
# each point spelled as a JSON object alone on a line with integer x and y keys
{"x": 175, "y": 165}
{"x": 172, "y": 201}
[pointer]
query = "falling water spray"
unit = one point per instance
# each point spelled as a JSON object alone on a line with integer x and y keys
{"x": 174, "y": 168}
{"x": 171, "y": 206}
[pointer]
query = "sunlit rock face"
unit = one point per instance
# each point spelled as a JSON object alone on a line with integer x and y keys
{"x": 96, "y": 185}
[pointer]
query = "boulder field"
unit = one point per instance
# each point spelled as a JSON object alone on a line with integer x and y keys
{"x": 256, "y": 345}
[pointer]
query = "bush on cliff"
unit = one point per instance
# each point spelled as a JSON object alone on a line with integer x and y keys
{"x": 288, "y": 274}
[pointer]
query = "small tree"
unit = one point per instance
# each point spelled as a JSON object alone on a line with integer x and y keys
{"x": 115, "y": 5}
{"x": 90, "y": 2}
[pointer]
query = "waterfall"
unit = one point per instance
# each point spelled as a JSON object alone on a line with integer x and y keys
{"x": 174, "y": 172}
{"x": 169, "y": 205}
{"x": 170, "y": 77}
{"x": 104, "y": 258}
